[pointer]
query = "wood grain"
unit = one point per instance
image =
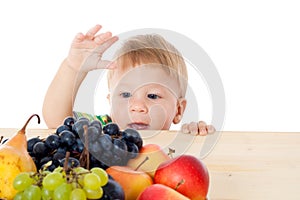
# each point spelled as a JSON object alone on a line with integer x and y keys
{"x": 242, "y": 165}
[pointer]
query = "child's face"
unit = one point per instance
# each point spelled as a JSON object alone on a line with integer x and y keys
{"x": 144, "y": 97}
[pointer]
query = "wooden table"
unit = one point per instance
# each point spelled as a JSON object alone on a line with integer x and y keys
{"x": 242, "y": 165}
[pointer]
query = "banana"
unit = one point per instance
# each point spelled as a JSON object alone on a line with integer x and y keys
{"x": 14, "y": 159}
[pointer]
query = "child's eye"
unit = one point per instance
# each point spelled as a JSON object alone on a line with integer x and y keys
{"x": 153, "y": 96}
{"x": 125, "y": 94}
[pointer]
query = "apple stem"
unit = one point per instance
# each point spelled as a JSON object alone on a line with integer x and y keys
{"x": 179, "y": 184}
{"x": 147, "y": 158}
{"x": 171, "y": 151}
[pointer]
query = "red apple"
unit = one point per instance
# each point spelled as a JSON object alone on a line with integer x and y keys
{"x": 133, "y": 182}
{"x": 186, "y": 174}
{"x": 161, "y": 192}
{"x": 155, "y": 155}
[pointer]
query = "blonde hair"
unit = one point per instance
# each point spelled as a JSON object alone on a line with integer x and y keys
{"x": 152, "y": 48}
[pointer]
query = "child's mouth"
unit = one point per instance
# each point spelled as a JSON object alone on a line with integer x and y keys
{"x": 138, "y": 126}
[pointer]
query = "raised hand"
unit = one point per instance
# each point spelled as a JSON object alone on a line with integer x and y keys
{"x": 87, "y": 49}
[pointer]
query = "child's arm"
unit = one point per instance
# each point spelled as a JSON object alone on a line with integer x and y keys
{"x": 198, "y": 128}
{"x": 84, "y": 55}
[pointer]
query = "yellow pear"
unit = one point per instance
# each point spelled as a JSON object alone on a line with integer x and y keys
{"x": 14, "y": 159}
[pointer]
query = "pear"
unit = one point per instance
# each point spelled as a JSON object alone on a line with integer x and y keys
{"x": 14, "y": 159}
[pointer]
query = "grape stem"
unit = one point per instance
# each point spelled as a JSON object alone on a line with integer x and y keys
{"x": 85, "y": 156}
{"x": 66, "y": 161}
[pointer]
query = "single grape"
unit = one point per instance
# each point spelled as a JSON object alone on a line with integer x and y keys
{"x": 45, "y": 160}
{"x": 81, "y": 172}
{"x": 132, "y": 135}
{"x": 106, "y": 142}
{"x": 77, "y": 127}
{"x": 52, "y": 141}
{"x": 62, "y": 149}
{"x": 80, "y": 145}
{"x": 58, "y": 169}
{"x": 33, "y": 192}
{"x": 77, "y": 147}
{"x": 97, "y": 124}
{"x": 22, "y": 181}
{"x": 78, "y": 194}
{"x": 31, "y": 142}
{"x": 40, "y": 149}
{"x": 62, "y": 192}
{"x": 113, "y": 190}
{"x": 58, "y": 156}
{"x": 47, "y": 194}
{"x": 132, "y": 149}
{"x": 119, "y": 152}
{"x": 102, "y": 175}
{"x": 72, "y": 162}
{"x": 62, "y": 128}
{"x": 53, "y": 180}
{"x": 120, "y": 148}
{"x": 67, "y": 138}
{"x": 111, "y": 129}
{"x": 19, "y": 196}
{"x": 69, "y": 121}
{"x": 94, "y": 194}
{"x": 93, "y": 133}
{"x": 91, "y": 181}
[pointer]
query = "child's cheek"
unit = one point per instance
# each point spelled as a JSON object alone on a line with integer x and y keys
{"x": 119, "y": 112}
{"x": 159, "y": 117}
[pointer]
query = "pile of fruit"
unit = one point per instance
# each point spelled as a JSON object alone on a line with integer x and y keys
{"x": 85, "y": 160}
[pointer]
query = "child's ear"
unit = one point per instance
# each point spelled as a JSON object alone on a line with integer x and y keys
{"x": 181, "y": 104}
{"x": 108, "y": 97}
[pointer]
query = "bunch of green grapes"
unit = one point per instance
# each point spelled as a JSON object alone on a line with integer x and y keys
{"x": 77, "y": 184}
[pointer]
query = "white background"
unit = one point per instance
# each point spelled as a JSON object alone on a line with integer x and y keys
{"x": 255, "y": 46}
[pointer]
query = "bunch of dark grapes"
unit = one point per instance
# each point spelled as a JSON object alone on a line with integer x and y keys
{"x": 106, "y": 145}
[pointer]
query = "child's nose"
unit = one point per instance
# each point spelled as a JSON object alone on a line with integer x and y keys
{"x": 137, "y": 105}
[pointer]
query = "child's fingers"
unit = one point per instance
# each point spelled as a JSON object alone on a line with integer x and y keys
{"x": 92, "y": 32}
{"x": 105, "y": 45}
{"x": 78, "y": 38}
{"x": 210, "y": 129}
{"x": 184, "y": 128}
{"x": 99, "y": 39}
{"x": 202, "y": 128}
{"x": 193, "y": 128}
